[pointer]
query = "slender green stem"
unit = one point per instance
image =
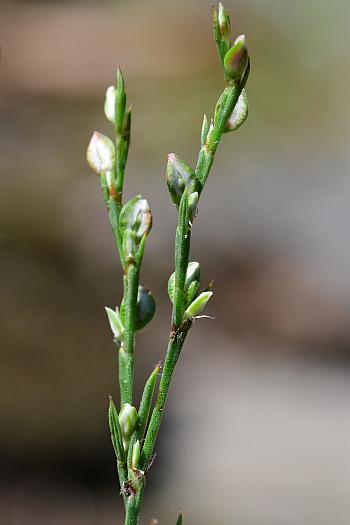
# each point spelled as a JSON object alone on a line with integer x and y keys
{"x": 114, "y": 208}
{"x": 175, "y": 344}
{"x": 206, "y": 156}
{"x": 178, "y": 332}
{"x": 132, "y": 514}
{"x": 182, "y": 250}
{"x": 126, "y": 351}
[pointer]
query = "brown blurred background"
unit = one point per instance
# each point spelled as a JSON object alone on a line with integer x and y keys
{"x": 257, "y": 431}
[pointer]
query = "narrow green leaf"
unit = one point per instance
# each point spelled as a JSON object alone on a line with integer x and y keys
{"x": 116, "y": 433}
{"x": 205, "y": 129}
{"x": 179, "y": 519}
{"x": 120, "y": 103}
{"x": 115, "y": 322}
{"x": 198, "y": 305}
{"x": 136, "y": 453}
{"x": 146, "y": 402}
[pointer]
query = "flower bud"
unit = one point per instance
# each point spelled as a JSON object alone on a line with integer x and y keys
{"x": 192, "y": 283}
{"x": 193, "y": 273}
{"x": 136, "y": 215}
{"x": 115, "y": 104}
{"x": 145, "y": 308}
{"x": 222, "y": 31}
{"x": 115, "y": 323}
{"x": 109, "y": 107}
{"x": 236, "y": 59}
{"x": 127, "y": 420}
{"x": 192, "y": 206}
{"x": 224, "y": 25}
{"x": 239, "y": 113}
{"x": 136, "y": 453}
{"x": 198, "y": 305}
{"x": 180, "y": 176}
{"x": 101, "y": 154}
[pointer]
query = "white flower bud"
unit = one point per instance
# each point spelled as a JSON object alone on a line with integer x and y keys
{"x": 109, "y": 108}
{"x": 101, "y": 154}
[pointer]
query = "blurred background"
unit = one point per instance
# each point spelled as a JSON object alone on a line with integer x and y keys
{"x": 257, "y": 430}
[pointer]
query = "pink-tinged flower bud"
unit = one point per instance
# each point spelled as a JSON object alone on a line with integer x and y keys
{"x": 236, "y": 59}
{"x": 101, "y": 154}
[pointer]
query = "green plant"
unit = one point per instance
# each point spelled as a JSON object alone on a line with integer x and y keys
{"x": 134, "y": 432}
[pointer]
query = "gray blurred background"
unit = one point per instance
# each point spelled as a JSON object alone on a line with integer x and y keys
{"x": 257, "y": 430}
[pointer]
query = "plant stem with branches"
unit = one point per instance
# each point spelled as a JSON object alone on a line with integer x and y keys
{"x": 134, "y": 432}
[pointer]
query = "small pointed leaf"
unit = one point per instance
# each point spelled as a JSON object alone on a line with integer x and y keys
{"x": 179, "y": 519}
{"x": 198, "y": 305}
{"x": 115, "y": 322}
